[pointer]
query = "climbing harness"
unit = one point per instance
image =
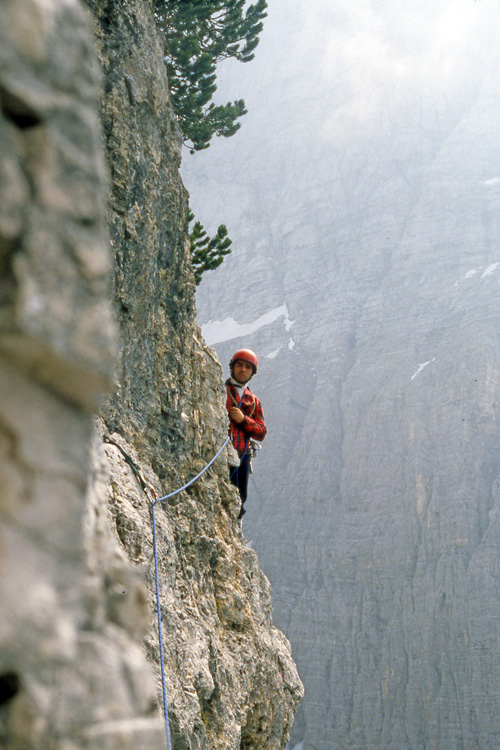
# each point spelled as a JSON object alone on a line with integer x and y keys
{"x": 145, "y": 486}
{"x": 253, "y": 447}
{"x": 148, "y": 488}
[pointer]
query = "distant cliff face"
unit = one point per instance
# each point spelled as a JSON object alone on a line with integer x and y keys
{"x": 367, "y": 267}
{"x": 76, "y": 534}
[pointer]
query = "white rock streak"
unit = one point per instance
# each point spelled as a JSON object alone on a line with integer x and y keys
{"x": 471, "y": 273}
{"x": 274, "y": 354}
{"x": 217, "y": 331}
{"x": 421, "y": 367}
{"x": 491, "y": 269}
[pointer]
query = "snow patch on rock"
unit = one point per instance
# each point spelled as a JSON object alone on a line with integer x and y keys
{"x": 218, "y": 331}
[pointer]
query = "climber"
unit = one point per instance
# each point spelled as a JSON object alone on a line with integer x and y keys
{"x": 246, "y": 419}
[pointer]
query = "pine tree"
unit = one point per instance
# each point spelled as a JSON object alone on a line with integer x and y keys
{"x": 207, "y": 252}
{"x": 198, "y": 35}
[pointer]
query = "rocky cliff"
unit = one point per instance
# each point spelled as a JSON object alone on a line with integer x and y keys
{"x": 365, "y": 228}
{"x": 76, "y": 534}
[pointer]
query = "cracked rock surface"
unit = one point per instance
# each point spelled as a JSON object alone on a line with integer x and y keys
{"x": 97, "y": 311}
{"x": 70, "y": 676}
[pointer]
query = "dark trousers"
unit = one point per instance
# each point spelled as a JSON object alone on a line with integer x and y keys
{"x": 239, "y": 476}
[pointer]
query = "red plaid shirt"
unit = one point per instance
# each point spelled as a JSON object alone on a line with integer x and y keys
{"x": 253, "y": 426}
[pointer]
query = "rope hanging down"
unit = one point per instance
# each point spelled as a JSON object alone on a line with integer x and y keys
{"x": 145, "y": 486}
{"x": 157, "y": 584}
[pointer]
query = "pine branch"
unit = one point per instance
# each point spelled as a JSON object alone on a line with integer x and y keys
{"x": 207, "y": 253}
{"x": 199, "y": 34}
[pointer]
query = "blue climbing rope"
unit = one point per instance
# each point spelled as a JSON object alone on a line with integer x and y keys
{"x": 158, "y": 610}
{"x": 192, "y": 481}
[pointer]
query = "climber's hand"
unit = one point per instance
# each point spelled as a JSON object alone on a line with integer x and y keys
{"x": 236, "y": 414}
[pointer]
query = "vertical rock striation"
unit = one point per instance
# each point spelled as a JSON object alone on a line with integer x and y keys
{"x": 230, "y": 678}
{"x": 75, "y": 533}
{"x": 70, "y": 676}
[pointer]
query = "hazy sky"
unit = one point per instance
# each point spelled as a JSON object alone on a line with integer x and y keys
{"x": 371, "y": 42}
{"x": 337, "y": 71}
{"x": 367, "y": 45}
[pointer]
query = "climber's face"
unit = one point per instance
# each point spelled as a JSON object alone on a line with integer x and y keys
{"x": 242, "y": 371}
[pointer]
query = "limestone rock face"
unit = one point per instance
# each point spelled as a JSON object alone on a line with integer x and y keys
{"x": 69, "y": 672}
{"x": 231, "y": 682}
{"x": 77, "y": 570}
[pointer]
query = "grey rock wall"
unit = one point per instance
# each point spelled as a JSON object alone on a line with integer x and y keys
{"x": 375, "y": 505}
{"x": 77, "y": 582}
{"x": 68, "y": 672}
{"x": 230, "y": 679}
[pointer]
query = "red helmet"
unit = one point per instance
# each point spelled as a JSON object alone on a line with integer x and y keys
{"x": 247, "y": 355}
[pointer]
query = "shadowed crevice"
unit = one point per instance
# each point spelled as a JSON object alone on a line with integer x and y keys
{"x": 10, "y": 684}
{"x": 17, "y": 111}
